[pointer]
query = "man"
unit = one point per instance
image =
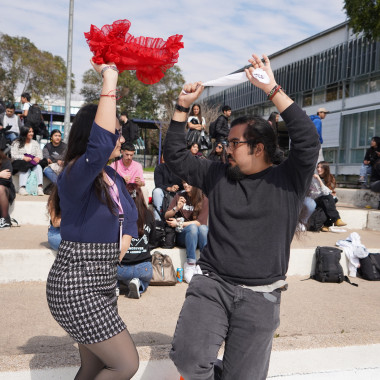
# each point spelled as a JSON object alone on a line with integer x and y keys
{"x": 253, "y": 213}
{"x": 221, "y": 127}
{"x": 10, "y": 122}
{"x": 25, "y": 100}
{"x": 131, "y": 171}
{"x": 130, "y": 130}
{"x": 166, "y": 183}
{"x": 53, "y": 152}
{"x": 317, "y": 120}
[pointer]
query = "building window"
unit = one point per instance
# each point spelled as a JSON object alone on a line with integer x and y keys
{"x": 374, "y": 84}
{"x": 332, "y": 93}
{"x": 360, "y": 87}
{"x": 319, "y": 97}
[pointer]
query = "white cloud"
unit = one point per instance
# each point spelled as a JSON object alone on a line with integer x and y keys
{"x": 219, "y": 36}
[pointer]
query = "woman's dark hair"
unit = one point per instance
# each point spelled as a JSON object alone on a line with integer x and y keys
{"x": 327, "y": 177}
{"x": 23, "y": 135}
{"x": 142, "y": 209}
{"x": 3, "y": 157}
{"x": 196, "y": 199}
{"x": 273, "y": 122}
{"x": 258, "y": 131}
{"x": 76, "y": 147}
{"x": 376, "y": 139}
{"x": 199, "y": 116}
{"x": 222, "y": 157}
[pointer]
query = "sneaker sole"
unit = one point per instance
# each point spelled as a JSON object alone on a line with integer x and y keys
{"x": 133, "y": 291}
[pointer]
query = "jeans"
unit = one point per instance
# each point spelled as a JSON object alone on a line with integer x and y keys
{"x": 365, "y": 172}
{"x": 23, "y": 177}
{"x": 191, "y": 237}
{"x": 142, "y": 271}
{"x": 12, "y": 136}
{"x": 307, "y": 209}
{"x": 54, "y": 237}
{"x": 215, "y": 311}
{"x": 157, "y": 197}
{"x": 50, "y": 173}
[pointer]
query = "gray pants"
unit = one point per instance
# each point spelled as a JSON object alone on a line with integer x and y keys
{"x": 215, "y": 311}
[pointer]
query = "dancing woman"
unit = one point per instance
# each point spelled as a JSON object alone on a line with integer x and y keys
{"x": 98, "y": 222}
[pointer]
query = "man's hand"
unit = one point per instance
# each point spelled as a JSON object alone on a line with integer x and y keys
{"x": 172, "y": 189}
{"x": 190, "y": 94}
{"x": 139, "y": 182}
{"x": 127, "y": 178}
{"x": 257, "y": 63}
{"x": 60, "y": 162}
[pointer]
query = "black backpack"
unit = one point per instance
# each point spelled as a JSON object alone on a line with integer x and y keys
{"x": 212, "y": 129}
{"x": 370, "y": 267}
{"x": 34, "y": 117}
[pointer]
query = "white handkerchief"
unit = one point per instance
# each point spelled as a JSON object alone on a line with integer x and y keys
{"x": 237, "y": 78}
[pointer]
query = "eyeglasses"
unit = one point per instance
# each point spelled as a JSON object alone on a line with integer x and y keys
{"x": 233, "y": 144}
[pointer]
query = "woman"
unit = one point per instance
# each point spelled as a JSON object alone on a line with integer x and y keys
{"x": 218, "y": 154}
{"x": 54, "y": 231}
{"x": 188, "y": 214}
{"x": 135, "y": 269}
{"x": 27, "y": 155}
{"x": 194, "y": 150}
{"x": 323, "y": 169}
{"x": 273, "y": 121}
{"x": 98, "y": 222}
{"x": 7, "y": 191}
{"x": 370, "y": 158}
{"x": 196, "y": 125}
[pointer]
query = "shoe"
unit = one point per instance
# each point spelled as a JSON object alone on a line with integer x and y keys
{"x": 117, "y": 291}
{"x": 5, "y": 224}
{"x": 22, "y": 191}
{"x": 134, "y": 288}
{"x": 189, "y": 271}
{"x": 40, "y": 191}
{"x": 325, "y": 229}
{"x": 198, "y": 270}
{"x": 340, "y": 223}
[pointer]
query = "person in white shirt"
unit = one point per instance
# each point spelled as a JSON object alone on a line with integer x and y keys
{"x": 10, "y": 122}
{"x": 25, "y": 100}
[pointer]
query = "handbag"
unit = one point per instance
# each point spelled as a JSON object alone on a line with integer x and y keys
{"x": 205, "y": 142}
{"x": 163, "y": 270}
{"x": 193, "y": 137}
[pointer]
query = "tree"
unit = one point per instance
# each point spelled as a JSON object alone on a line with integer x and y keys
{"x": 39, "y": 72}
{"x": 364, "y": 16}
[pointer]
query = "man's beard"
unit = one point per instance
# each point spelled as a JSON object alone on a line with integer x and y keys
{"x": 234, "y": 173}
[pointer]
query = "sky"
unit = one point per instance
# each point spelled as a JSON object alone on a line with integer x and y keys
{"x": 219, "y": 35}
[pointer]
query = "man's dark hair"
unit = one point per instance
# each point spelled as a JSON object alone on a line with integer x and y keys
{"x": 54, "y": 131}
{"x": 10, "y": 106}
{"x": 124, "y": 113}
{"x": 258, "y": 131}
{"x": 26, "y": 95}
{"x": 128, "y": 146}
{"x": 226, "y": 108}
{"x": 376, "y": 139}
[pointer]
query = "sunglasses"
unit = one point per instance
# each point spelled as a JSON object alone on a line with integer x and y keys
{"x": 219, "y": 146}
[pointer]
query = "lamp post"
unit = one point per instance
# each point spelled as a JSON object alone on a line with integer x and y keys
{"x": 68, "y": 72}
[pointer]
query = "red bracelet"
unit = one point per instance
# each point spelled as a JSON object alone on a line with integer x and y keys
{"x": 111, "y": 95}
{"x": 274, "y": 91}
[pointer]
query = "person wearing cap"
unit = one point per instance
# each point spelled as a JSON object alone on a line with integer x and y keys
{"x": 317, "y": 120}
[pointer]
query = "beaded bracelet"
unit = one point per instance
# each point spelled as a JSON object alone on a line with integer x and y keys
{"x": 108, "y": 67}
{"x": 274, "y": 91}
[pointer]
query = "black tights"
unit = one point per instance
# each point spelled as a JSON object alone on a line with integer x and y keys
{"x": 113, "y": 359}
{"x": 4, "y": 202}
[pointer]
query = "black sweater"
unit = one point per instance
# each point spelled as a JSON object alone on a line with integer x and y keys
{"x": 251, "y": 221}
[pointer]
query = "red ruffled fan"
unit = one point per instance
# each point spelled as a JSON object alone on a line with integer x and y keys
{"x": 150, "y": 57}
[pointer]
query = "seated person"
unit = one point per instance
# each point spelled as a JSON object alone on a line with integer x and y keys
{"x": 10, "y": 122}
{"x": 165, "y": 182}
{"x": 194, "y": 150}
{"x": 54, "y": 231}
{"x": 188, "y": 214}
{"x": 323, "y": 170}
{"x": 7, "y": 191}
{"x": 135, "y": 269}
{"x": 371, "y": 156}
{"x": 130, "y": 170}
{"x": 321, "y": 194}
{"x": 53, "y": 152}
{"x": 27, "y": 154}
{"x": 375, "y": 179}
{"x": 219, "y": 153}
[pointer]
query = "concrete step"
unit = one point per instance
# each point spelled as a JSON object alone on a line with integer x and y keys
{"x": 25, "y": 254}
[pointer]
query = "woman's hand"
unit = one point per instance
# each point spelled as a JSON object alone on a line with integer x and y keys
{"x": 258, "y": 64}
{"x": 172, "y": 222}
{"x": 27, "y": 158}
{"x": 5, "y": 174}
{"x": 180, "y": 203}
{"x": 125, "y": 243}
{"x": 99, "y": 68}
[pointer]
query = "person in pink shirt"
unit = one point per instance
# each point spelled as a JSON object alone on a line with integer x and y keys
{"x": 131, "y": 171}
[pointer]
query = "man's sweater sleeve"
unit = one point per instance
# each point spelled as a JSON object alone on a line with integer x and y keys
{"x": 304, "y": 148}
{"x": 179, "y": 159}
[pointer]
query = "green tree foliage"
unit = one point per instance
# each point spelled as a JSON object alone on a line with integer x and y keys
{"x": 364, "y": 16}
{"x": 38, "y": 72}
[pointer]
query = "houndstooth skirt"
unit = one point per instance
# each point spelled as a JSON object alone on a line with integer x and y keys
{"x": 81, "y": 291}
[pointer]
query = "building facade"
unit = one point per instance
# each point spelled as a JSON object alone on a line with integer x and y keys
{"x": 334, "y": 69}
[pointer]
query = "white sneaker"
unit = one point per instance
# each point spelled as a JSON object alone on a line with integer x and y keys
{"x": 40, "y": 191}
{"x": 134, "y": 288}
{"x": 189, "y": 271}
{"x": 22, "y": 191}
{"x": 198, "y": 270}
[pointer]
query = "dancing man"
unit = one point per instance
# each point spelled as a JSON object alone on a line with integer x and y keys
{"x": 254, "y": 210}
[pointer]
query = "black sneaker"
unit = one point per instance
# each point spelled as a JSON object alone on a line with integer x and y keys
{"x": 5, "y": 224}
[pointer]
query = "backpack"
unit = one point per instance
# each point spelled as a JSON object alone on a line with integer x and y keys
{"x": 163, "y": 270}
{"x": 34, "y": 117}
{"x": 370, "y": 267}
{"x": 212, "y": 129}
